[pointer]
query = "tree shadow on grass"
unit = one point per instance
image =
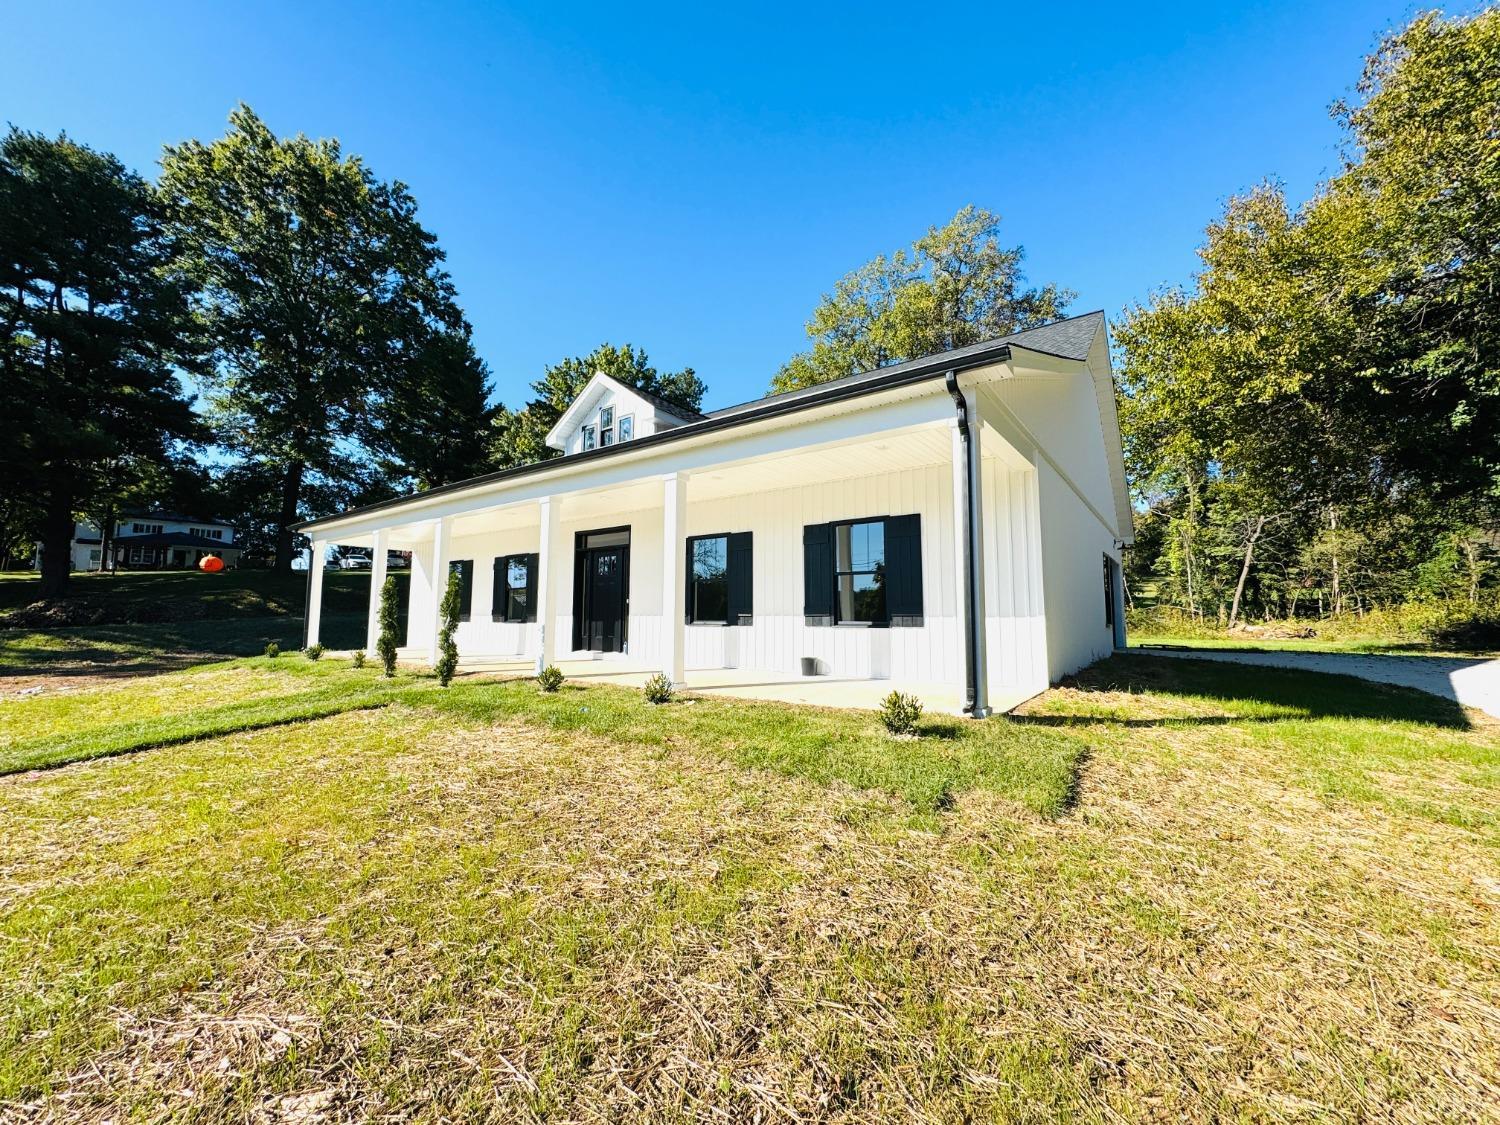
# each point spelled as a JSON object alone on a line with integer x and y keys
{"x": 1290, "y": 695}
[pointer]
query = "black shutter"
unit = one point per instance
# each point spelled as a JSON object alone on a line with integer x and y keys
{"x": 498, "y": 603}
{"x": 687, "y": 584}
{"x": 817, "y": 574}
{"x": 465, "y": 568}
{"x": 741, "y": 581}
{"x": 531, "y": 565}
{"x": 903, "y": 570}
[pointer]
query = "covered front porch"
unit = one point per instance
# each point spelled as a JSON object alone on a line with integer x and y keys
{"x": 540, "y": 557}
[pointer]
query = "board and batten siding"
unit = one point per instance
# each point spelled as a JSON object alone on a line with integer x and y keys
{"x": 779, "y": 637}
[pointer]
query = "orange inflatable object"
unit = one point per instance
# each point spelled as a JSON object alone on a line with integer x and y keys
{"x": 211, "y": 563}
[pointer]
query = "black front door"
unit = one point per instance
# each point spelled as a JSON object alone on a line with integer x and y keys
{"x": 605, "y": 615}
{"x": 601, "y": 608}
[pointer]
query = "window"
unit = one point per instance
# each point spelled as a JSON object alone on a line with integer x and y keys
{"x": 1109, "y": 592}
{"x": 588, "y": 437}
{"x": 207, "y": 532}
{"x": 720, "y": 586}
{"x": 146, "y": 528}
{"x": 627, "y": 427}
{"x": 515, "y": 588}
{"x": 94, "y": 554}
{"x": 464, "y": 568}
{"x": 863, "y": 572}
{"x": 607, "y": 426}
{"x": 708, "y": 578}
{"x": 859, "y": 571}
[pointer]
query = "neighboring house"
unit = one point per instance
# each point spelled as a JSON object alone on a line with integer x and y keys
{"x": 154, "y": 541}
{"x": 950, "y": 526}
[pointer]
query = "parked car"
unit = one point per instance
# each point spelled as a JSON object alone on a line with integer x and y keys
{"x": 355, "y": 562}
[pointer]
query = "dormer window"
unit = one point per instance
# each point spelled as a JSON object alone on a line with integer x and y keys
{"x": 607, "y": 426}
{"x": 627, "y": 427}
{"x": 588, "y": 437}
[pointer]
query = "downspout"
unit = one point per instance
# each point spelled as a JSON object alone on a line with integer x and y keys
{"x": 975, "y": 703}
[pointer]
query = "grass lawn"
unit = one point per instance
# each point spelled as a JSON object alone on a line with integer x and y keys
{"x": 1168, "y": 890}
{"x": 154, "y": 620}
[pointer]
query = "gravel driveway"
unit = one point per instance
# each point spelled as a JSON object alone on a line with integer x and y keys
{"x": 1470, "y": 681}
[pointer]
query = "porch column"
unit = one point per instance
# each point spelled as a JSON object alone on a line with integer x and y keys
{"x": 377, "y": 583}
{"x": 314, "y": 619}
{"x": 546, "y": 588}
{"x": 440, "y": 531}
{"x": 673, "y": 528}
{"x": 968, "y": 548}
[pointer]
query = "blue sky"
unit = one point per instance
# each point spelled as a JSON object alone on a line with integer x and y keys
{"x": 691, "y": 179}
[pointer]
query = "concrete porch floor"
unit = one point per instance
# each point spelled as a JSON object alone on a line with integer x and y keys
{"x": 742, "y": 683}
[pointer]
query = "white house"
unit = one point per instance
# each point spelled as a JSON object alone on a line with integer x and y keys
{"x": 153, "y": 540}
{"x": 950, "y": 526}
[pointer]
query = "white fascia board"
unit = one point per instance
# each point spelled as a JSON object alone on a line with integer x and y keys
{"x": 849, "y": 420}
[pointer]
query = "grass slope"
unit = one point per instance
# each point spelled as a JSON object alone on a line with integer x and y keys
{"x": 484, "y": 904}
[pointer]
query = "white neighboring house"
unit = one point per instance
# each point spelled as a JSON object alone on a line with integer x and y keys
{"x": 950, "y": 526}
{"x": 153, "y": 541}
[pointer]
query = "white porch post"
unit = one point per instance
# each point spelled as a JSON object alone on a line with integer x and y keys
{"x": 317, "y": 548}
{"x": 968, "y": 548}
{"x": 546, "y": 589}
{"x": 673, "y": 528}
{"x": 440, "y": 532}
{"x": 377, "y": 582}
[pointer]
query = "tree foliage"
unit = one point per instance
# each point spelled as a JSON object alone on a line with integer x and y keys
{"x": 955, "y": 286}
{"x": 318, "y": 290}
{"x": 90, "y": 328}
{"x": 519, "y": 437}
{"x": 1316, "y": 420}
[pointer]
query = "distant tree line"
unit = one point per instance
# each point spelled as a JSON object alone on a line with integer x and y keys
{"x": 265, "y": 334}
{"x": 1313, "y": 426}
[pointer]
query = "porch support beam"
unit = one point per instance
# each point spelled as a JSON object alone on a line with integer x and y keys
{"x": 673, "y": 575}
{"x": 314, "y": 619}
{"x": 377, "y": 583}
{"x": 441, "y": 530}
{"x": 546, "y": 587}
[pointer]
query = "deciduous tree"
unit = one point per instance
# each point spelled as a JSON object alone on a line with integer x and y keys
{"x": 956, "y": 285}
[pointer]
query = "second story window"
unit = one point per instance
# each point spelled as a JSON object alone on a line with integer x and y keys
{"x": 145, "y": 528}
{"x": 627, "y": 427}
{"x": 588, "y": 437}
{"x": 607, "y": 426}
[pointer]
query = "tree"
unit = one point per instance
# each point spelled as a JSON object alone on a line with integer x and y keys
{"x": 317, "y": 286}
{"x": 431, "y": 423}
{"x": 90, "y": 326}
{"x": 448, "y": 611}
{"x": 1418, "y": 208}
{"x": 956, "y": 286}
{"x": 389, "y": 621}
{"x": 519, "y": 437}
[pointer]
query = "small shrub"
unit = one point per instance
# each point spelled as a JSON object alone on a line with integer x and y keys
{"x": 550, "y": 678}
{"x": 659, "y": 689}
{"x": 389, "y": 619}
{"x": 358, "y": 659}
{"x": 447, "y": 661}
{"x": 273, "y": 650}
{"x": 313, "y": 652}
{"x": 900, "y": 712}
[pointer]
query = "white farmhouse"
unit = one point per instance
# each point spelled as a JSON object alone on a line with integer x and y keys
{"x": 152, "y": 540}
{"x": 949, "y": 526}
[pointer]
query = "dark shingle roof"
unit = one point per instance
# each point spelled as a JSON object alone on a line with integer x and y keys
{"x": 1067, "y": 339}
{"x": 667, "y": 405}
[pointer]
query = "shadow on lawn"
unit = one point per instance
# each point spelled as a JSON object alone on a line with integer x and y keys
{"x": 1298, "y": 695}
